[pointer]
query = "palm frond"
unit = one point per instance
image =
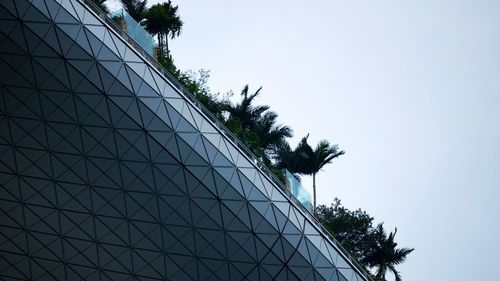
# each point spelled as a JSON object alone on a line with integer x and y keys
{"x": 385, "y": 254}
{"x": 399, "y": 255}
{"x": 396, "y": 273}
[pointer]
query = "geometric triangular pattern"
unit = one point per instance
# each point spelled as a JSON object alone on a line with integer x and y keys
{"x": 108, "y": 171}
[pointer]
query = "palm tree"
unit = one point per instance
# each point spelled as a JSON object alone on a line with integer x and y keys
{"x": 384, "y": 255}
{"x": 286, "y": 158}
{"x": 269, "y": 134}
{"x": 256, "y": 126}
{"x": 163, "y": 20}
{"x": 247, "y": 122}
{"x": 245, "y": 115}
{"x": 175, "y": 25}
{"x": 312, "y": 161}
{"x": 135, "y": 8}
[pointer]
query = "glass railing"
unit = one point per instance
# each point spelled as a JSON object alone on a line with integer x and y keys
{"x": 227, "y": 134}
{"x": 298, "y": 190}
{"x": 133, "y": 29}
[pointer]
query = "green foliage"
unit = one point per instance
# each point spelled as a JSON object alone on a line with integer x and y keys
{"x": 353, "y": 229}
{"x": 135, "y": 8}
{"x": 383, "y": 255}
{"x": 313, "y": 160}
{"x": 371, "y": 246}
{"x": 269, "y": 133}
{"x": 163, "y": 21}
{"x": 257, "y": 127}
{"x": 167, "y": 62}
{"x": 245, "y": 114}
{"x": 304, "y": 160}
{"x": 196, "y": 83}
{"x": 278, "y": 172}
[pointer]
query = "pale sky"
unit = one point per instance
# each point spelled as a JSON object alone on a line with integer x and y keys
{"x": 409, "y": 89}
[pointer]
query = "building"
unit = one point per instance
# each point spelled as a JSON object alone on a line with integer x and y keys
{"x": 110, "y": 171}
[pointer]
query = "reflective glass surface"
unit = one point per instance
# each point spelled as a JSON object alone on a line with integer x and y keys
{"x": 299, "y": 191}
{"x": 134, "y": 29}
{"x": 109, "y": 172}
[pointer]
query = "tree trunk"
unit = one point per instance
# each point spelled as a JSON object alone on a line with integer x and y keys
{"x": 314, "y": 194}
{"x": 166, "y": 44}
{"x": 160, "y": 48}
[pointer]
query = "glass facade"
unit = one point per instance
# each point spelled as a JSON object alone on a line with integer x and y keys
{"x": 134, "y": 30}
{"x": 299, "y": 191}
{"x": 109, "y": 172}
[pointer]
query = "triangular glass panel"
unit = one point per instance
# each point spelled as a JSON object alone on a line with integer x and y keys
{"x": 112, "y": 66}
{"x": 138, "y": 67}
{"x": 89, "y": 18}
{"x": 201, "y": 219}
{"x": 230, "y": 193}
{"x": 16, "y": 35}
{"x": 64, "y": 17}
{"x": 9, "y": 6}
{"x": 130, "y": 56}
{"x": 52, "y": 7}
{"x": 221, "y": 161}
{"x": 78, "y": 51}
{"x": 49, "y": 63}
{"x": 347, "y": 273}
{"x": 33, "y": 14}
{"x": 22, "y": 7}
{"x": 226, "y": 172}
{"x": 94, "y": 42}
{"x": 72, "y": 30}
{"x": 168, "y": 90}
{"x": 206, "y": 127}
{"x": 121, "y": 86}
{"x": 106, "y": 78}
{"x": 151, "y": 79}
{"x": 147, "y": 91}
{"x": 66, "y": 4}
{"x": 110, "y": 43}
{"x": 41, "y": 29}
